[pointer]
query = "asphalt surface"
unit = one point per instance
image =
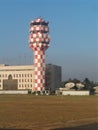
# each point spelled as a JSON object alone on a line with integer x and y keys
{"x": 85, "y": 127}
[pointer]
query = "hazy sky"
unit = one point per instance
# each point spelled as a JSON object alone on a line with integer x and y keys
{"x": 73, "y": 30}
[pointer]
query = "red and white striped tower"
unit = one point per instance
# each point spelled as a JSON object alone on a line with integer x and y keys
{"x": 39, "y": 42}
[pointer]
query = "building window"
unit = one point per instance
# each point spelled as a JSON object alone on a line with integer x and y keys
{"x": 16, "y": 75}
{"x": 10, "y": 77}
{"x": 19, "y": 80}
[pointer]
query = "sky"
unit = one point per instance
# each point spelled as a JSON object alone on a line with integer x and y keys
{"x": 73, "y": 31}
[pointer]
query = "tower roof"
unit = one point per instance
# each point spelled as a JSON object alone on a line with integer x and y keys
{"x": 38, "y": 20}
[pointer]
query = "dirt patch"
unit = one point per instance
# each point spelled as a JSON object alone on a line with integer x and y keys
{"x": 30, "y": 112}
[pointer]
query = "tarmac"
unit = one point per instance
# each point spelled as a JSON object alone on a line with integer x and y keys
{"x": 84, "y": 127}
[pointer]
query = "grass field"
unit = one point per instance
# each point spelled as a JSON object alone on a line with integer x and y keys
{"x": 47, "y": 112}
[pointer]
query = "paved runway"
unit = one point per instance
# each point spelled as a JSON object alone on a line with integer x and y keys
{"x": 85, "y": 127}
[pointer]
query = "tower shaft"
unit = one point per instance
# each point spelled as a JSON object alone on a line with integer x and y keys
{"x": 39, "y": 73}
{"x": 39, "y": 65}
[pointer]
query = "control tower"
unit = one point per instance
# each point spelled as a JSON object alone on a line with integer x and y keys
{"x": 39, "y": 42}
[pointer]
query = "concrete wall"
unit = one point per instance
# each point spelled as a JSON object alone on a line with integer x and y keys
{"x": 14, "y": 92}
{"x": 75, "y": 93}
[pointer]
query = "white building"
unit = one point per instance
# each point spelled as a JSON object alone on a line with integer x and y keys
{"x": 22, "y": 77}
{"x": 76, "y": 93}
{"x": 16, "y": 77}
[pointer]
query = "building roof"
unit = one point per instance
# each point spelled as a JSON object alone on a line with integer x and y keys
{"x": 4, "y": 67}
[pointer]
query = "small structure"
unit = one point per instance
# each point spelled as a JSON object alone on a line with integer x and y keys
{"x": 76, "y": 93}
{"x": 96, "y": 90}
{"x": 73, "y": 89}
{"x": 80, "y": 86}
{"x": 69, "y": 85}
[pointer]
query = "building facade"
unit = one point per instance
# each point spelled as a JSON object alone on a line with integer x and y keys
{"x": 22, "y": 77}
{"x": 16, "y": 77}
{"x": 53, "y": 76}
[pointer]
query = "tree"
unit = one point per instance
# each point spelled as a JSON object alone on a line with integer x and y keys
{"x": 89, "y": 85}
